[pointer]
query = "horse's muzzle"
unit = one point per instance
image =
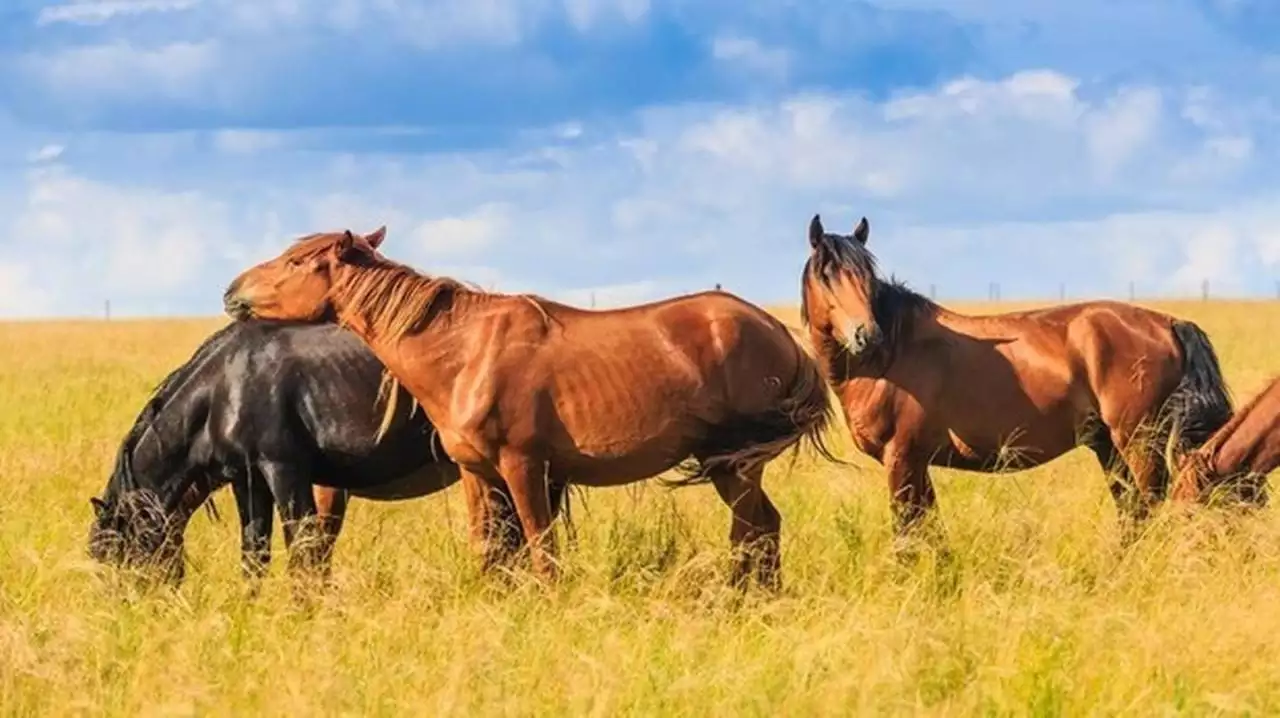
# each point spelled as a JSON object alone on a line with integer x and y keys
{"x": 234, "y": 305}
{"x": 864, "y": 338}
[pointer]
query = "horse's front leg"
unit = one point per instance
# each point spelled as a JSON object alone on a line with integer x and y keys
{"x": 526, "y": 477}
{"x": 256, "y": 508}
{"x": 493, "y": 525}
{"x": 911, "y": 495}
{"x": 297, "y": 506}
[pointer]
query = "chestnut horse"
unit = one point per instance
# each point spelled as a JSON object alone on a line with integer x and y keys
{"x": 1238, "y": 457}
{"x": 528, "y": 392}
{"x": 925, "y": 386}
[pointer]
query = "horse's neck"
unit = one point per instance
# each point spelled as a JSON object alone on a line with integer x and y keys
{"x": 155, "y": 465}
{"x": 974, "y": 325}
{"x": 426, "y": 362}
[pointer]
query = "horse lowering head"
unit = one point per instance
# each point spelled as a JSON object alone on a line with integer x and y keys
{"x": 296, "y": 285}
{"x": 133, "y": 530}
{"x": 839, "y": 287}
{"x": 1197, "y": 479}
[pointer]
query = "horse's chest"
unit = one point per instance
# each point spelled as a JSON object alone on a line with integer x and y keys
{"x": 872, "y": 417}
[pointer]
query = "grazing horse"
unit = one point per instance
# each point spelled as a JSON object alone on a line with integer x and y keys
{"x": 1238, "y": 457}
{"x": 285, "y": 413}
{"x": 925, "y": 386}
{"x": 529, "y": 393}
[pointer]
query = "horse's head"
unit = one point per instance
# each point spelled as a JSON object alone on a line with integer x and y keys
{"x": 296, "y": 285}
{"x": 139, "y": 520}
{"x": 839, "y": 287}
{"x": 1196, "y": 480}
{"x": 133, "y": 530}
{"x": 1190, "y": 477}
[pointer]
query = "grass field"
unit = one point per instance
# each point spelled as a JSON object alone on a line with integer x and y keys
{"x": 1038, "y": 612}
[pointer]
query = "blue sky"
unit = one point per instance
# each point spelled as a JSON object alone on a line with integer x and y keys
{"x": 632, "y": 149}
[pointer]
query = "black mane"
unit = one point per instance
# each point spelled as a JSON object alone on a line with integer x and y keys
{"x": 893, "y": 304}
{"x": 122, "y": 478}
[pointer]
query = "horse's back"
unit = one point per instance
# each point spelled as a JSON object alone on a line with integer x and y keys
{"x": 307, "y": 395}
{"x": 1124, "y": 350}
{"x": 665, "y": 375}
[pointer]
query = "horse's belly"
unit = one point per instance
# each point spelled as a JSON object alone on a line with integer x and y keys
{"x": 1014, "y": 449}
{"x": 615, "y": 473}
{"x": 425, "y": 481}
{"x": 616, "y": 469}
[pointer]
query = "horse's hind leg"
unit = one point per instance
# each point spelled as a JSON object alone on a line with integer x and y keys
{"x": 331, "y": 511}
{"x": 256, "y": 508}
{"x": 1119, "y": 479}
{"x": 1143, "y": 479}
{"x": 755, "y": 533}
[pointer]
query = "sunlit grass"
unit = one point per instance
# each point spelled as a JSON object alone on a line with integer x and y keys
{"x": 1035, "y": 610}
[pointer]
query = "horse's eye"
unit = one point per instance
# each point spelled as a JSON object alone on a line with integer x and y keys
{"x": 293, "y": 263}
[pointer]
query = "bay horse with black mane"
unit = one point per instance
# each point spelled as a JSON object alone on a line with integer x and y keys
{"x": 288, "y": 415}
{"x": 925, "y": 386}
{"x": 1235, "y": 462}
{"x": 530, "y": 393}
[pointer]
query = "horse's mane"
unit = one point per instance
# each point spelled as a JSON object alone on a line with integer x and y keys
{"x": 398, "y": 301}
{"x": 156, "y": 402}
{"x": 893, "y": 304}
{"x": 394, "y": 299}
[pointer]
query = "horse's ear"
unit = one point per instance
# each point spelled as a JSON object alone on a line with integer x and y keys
{"x": 862, "y": 232}
{"x": 346, "y": 245}
{"x": 375, "y": 237}
{"x": 99, "y": 506}
{"x": 815, "y": 231}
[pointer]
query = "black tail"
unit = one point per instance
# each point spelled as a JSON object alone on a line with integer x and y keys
{"x": 1201, "y": 404}
{"x": 802, "y": 415}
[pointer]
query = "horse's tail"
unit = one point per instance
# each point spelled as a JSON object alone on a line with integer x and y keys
{"x": 801, "y": 416}
{"x": 809, "y": 404}
{"x": 1200, "y": 405}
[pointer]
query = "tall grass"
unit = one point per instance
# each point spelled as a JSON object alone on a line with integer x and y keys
{"x": 1034, "y": 610}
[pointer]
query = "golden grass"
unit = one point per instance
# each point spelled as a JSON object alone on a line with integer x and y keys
{"x": 1036, "y": 612}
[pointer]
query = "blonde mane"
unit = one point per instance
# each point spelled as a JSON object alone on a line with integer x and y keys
{"x": 389, "y": 392}
{"x": 397, "y": 301}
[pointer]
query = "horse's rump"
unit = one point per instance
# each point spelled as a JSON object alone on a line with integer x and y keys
{"x": 743, "y": 440}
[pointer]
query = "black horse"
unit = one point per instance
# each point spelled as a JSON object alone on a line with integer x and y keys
{"x": 288, "y": 415}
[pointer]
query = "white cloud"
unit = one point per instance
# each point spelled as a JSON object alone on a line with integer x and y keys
{"x": 47, "y": 153}
{"x": 94, "y": 12}
{"x": 1210, "y": 254}
{"x": 113, "y": 240}
{"x": 1042, "y": 96}
{"x": 585, "y": 14}
{"x": 21, "y": 296}
{"x": 246, "y": 141}
{"x": 347, "y": 210}
{"x": 699, "y": 194}
{"x": 118, "y": 70}
{"x": 1119, "y": 129}
{"x": 431, "y": 23}
{"x": 449, "y": 236}
{"x": 748, "y": 55}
